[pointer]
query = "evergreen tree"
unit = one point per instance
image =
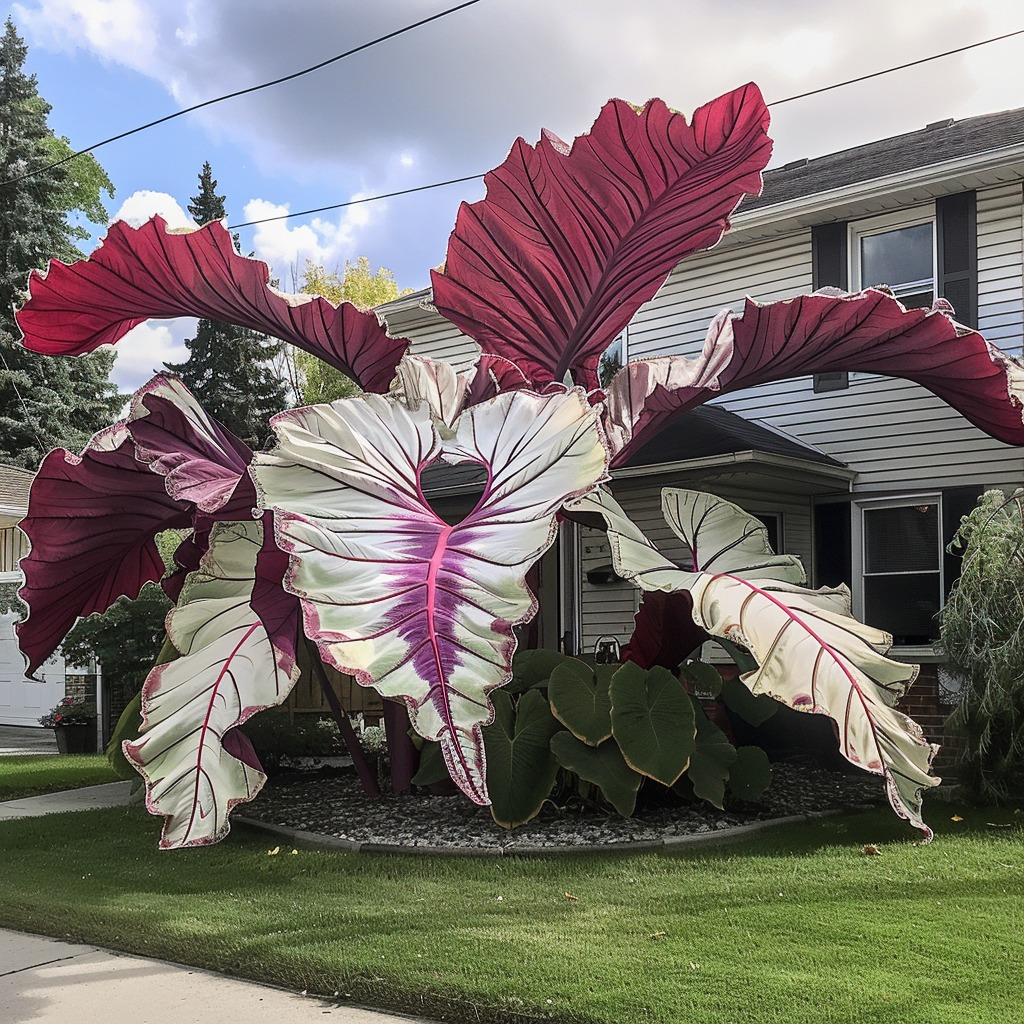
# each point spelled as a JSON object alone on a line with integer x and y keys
{"x": 44, "y": 401}
{"x": 228, "y": 368}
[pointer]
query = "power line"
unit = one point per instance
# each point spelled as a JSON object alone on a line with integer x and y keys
{"x": 774, "y": 103}
{"x": 899, "y": 67}
{"x": 241, "y": 92}
{"x": 356, "y": 202}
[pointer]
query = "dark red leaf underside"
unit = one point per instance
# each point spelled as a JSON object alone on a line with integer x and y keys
{"x": 869, "y": 332}
{"x": 138, "y": 274}
{"x": 568, "y": 243}
{"x": 91, "y": 523}
{"x": 665, "y": 633}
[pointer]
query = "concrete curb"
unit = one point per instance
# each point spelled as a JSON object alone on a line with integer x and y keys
{"x": 666, "y": 843}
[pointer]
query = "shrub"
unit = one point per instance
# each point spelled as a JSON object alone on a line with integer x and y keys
{"x": 279, "y": 738}
{"x": 982, "y": 630}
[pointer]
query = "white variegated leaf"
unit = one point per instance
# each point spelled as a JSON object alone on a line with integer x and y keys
{"x": 723, "y": 538}
{"x": 228, "y": 670}
{"x": 420, "y": 609}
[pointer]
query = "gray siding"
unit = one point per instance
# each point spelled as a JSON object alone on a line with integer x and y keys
{"x": 433, "y": 336}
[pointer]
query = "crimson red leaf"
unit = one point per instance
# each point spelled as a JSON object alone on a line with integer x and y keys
{"x": 91, "y": 522}
{"x": 92, "y": 519}
{"x": 570, "y": 241}
{"x": 142, "y": 273}
{"x": 869, "y": 331}
{"x": 665, "y": 633}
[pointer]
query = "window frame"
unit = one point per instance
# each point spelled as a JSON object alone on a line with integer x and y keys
{"x": 882, "y": 224}
{"x": 858, "y": 537}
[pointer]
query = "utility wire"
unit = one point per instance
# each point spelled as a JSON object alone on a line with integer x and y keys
{"x": 241, "y": 92}
{"x": 899, "y": 67}
{"x": 355, "y": 202}
{"x": 476, "y": 177}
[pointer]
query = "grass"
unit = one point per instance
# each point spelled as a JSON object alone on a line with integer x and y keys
{"x": 797, "y": 925}
{"x": 24, "y": 775}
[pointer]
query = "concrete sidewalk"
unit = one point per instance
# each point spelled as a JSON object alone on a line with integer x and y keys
{"x": 111, "y": 794}
{"x": 46, "y": 981}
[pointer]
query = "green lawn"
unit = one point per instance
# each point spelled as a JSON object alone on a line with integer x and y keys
{"x": 32, "y": 774}
{"x": 796, "y": 925}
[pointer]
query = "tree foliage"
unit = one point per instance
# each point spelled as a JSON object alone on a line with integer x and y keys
{"x": 230, "y": 369}
{"x": 44, "y": 402}
{"x": 316, "y": 381}
{"x": 125, "y": 640}
{"x": 982, "y": 629}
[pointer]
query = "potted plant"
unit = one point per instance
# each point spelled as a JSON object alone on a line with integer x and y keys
{"x": 73, "y": 722}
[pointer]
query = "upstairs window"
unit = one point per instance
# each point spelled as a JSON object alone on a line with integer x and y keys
{"x": 899, "y": 254}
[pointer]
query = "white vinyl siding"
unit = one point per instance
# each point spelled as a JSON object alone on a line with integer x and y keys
{"x": 1001, "y": 266}
{"x": 676, "y": 320}
{"x": 433, "y": 337}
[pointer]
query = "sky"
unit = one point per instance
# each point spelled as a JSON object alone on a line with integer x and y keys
{"x": 448, "y": 99}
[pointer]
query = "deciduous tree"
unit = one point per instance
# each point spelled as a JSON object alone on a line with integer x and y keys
{"x": 315, "y": 380}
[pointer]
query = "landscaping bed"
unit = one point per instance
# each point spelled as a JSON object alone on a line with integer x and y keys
{"x": 330, "y": 802}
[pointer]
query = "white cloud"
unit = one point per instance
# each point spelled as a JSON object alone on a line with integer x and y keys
{"x": 140, "y": 206}
{"x": 144, "y": 349}
{"x": 123, "y": 31}
{"x": 286, "y": 247}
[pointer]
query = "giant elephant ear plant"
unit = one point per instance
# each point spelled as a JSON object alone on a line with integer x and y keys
{"x": 330, "y": 538}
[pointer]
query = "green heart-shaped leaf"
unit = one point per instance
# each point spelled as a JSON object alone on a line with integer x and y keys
{"x": 706, "y": 679}
{"x": 520, "y": 766}
{"x": 753, "y": 708}
{"x": 533, "y": 667}
{"x": 751, "y": 773}
{"x": 652, "y": 721}
{"x": 712, "y": 758}
{"x": 604, "y": 766}
{"x": 580, "y": 701}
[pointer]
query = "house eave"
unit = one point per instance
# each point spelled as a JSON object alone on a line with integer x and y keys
{"x": 979, "y": 168}
{"x": 820, "y": 476}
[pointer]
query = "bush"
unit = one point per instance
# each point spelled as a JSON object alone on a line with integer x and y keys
{"x": 982, "y": 630}
{"x": 279, "y": 737}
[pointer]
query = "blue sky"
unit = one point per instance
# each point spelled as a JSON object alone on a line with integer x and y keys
{"x": 448, "y": 99}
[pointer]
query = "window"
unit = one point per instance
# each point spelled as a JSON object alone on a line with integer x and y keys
{"x": 897, "y": 253}
{"x": 901, "y": 567}
{"x": 772, "y": 522}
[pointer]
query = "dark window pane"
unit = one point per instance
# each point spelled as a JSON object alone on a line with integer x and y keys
{"x": 770, "y": 522}
{"x": 917, "y": 300}
{"x": 903, "y": 539}
{"x": 904, "y": 606}
{"x": 897, "y": 257}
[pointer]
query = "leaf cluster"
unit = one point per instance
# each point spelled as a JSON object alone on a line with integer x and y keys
{"x": 566, "y": 731}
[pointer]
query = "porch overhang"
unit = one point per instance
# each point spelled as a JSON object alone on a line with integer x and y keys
{"x": 757, "y": 469}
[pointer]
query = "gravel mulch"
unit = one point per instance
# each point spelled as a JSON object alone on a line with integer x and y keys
{"x": 330, "y": 802}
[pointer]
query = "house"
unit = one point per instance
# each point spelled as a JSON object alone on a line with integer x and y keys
{"x": 864, "y": 477}
{"x": 22, "y": 700}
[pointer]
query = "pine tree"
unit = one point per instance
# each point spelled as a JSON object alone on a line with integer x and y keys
{"x": 44, "y": 401}
{"x": 228, "y": 368}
